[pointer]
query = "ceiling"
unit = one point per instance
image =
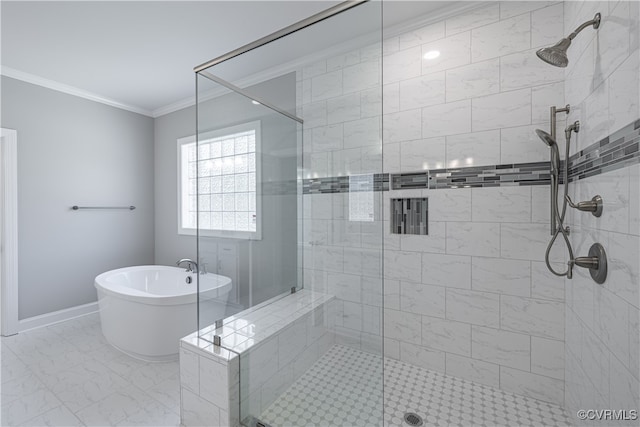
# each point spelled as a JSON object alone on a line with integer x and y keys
{"x": 141, "y": 53}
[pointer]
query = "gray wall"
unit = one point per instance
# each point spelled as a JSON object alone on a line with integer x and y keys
{"x": 267, "y": 266}
{"x": 74, "y": 151}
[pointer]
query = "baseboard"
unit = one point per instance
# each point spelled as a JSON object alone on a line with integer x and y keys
{"x": 56, "y": 316}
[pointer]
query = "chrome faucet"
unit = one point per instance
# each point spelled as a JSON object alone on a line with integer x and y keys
{"x": 192, "y": 266}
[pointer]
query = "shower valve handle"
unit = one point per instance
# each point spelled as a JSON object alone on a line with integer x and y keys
{"x": 594, "y": 205}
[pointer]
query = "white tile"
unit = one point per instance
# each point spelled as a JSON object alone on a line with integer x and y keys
{"x": 624, "y": 93}
{"x": 167, "y": 392}
{"x": 420, "y": 356}
{"x": 501, "y": 204}
{"x": 528, "y": 243}
{"x": 473, "y": 238}
{"x": 16, "y": 388}
{"x": 501, "y": 38}
{"x": 470, "y": 81}
{"x": 422, "y": 299}
{"x": 391, "y": 98}
{"x": 115, "y": 407}
{"x": 422, "y": 91}
{"x": 542, "y": 97}
{"x": 594, "y": 358}
{"x": 532, "y": 385}
{"x": 449, "y": 205}
{"x": 434, "y": 242}
{"x": 342, "y": 61}
{"x": 363, "y": 132}
{"x": 613, "y": 41}
{"x": 612, "y": 323}
{"x": 547, "y": 357}
{"x": 326, "y": 86}
{"x": 341, "y": 109}
{"x": 59, "y": 416}
{"x": 510, "y": 8}
{"x": 315, "y": 114}
{"x": 502, "y": 110}
{"x": 197, "y": 411}
{"x": 314, "y": 69}
{"x": 392, "y": 294}
{"x": 422, "y": 154}
{"x": 37, "y": 403}
{"x": 580, "y": 76}
{"x": 478, "y": 308}
{"x": 371, "y": 101}
{"x": 625, "y": 389}
{"x": 634, "y": 341}
{"x": 540, "y": 318}
{"x": 473, "y": 149}
{"x": 472, "y": 19}
{"x": 391, "y": 158}
{"x": 454, "y": 52}
{"x": 521, "y": 145}
{"x": 547, "y": 25}
{"x": 83, "y": 385}
{"x": 595, "y": 119}
{"x": 403, "y": 265}
{"x": 446, "y": 270}
{"x": 544, "y": 284}
{"x": 402, "y": 326}
{"x": 345, "y": 286}
{"x": 446, "y": 119}
{"x": 392, "y": 348}
{"x": 143, "y": 375}
{"x": 501, "y": 347}
{"x": 359, "y": 77}
{"x": 402, "y": 65}
{"x": 510, "y": 277}
{"x": 525, "y": 69}
{"x": 473, "y": 370}
{"x": 402, "y": 126}
{"x": 623, "y": 267}
{"x": 540, "y": 204}
{"x": 422, "y": 35}
{"x": 446, "y": 335}
{"x": 154, "y": 414}
{"x": 214, "y": 386}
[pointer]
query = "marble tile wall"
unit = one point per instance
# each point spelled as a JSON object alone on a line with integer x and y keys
{"x": 602, "y": 321}
{"x": 473, "y": 298}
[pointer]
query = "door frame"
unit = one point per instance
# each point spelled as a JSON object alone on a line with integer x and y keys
{"x": 9, "y": 232}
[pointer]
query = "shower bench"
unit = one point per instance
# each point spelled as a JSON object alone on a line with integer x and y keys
{"x": 263, "y": 350}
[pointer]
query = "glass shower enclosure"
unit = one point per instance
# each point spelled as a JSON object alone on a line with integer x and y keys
{"x": 286, "y": 193}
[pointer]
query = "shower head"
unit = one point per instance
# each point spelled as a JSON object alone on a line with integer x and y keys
{"x": 557, "y": 54}
{"x": 555, "y": 152}
{"x": 546, "y": 138}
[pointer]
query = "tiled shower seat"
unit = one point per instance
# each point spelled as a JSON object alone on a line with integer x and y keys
{"x": 264, "y": 350}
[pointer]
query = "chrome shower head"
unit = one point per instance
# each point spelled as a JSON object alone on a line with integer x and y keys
{"x": 546, "y": 138}
{"x": 557, "y": 54}
{"x": 555, "y": 152}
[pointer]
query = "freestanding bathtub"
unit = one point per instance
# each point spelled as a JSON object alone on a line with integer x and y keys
{"x": 145, "y": 310}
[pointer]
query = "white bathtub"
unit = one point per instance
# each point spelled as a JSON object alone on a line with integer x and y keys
{"x": 145, "y": 310}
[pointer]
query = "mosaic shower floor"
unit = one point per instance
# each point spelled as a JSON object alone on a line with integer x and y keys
{"x": 344, "y": 389}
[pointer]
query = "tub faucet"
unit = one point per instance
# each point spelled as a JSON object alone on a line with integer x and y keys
{"x": 192, "y": 266}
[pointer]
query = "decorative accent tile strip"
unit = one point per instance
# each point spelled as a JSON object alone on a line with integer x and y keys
{"x": 490, "y": 176}
{"x": 620, "y": 149}
{"x": 343, "y": 184}
{"x": 616, "y": 151}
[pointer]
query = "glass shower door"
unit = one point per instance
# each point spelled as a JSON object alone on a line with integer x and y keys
{"x": 313, "y": 356}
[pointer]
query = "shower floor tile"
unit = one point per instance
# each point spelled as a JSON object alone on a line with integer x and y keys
{"x": 344, "y": 388}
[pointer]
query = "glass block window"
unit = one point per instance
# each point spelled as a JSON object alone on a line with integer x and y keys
{"x": 219, "y": 184}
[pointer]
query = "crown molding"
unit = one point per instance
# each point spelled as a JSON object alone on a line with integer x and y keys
{"x": 70, "y": 90}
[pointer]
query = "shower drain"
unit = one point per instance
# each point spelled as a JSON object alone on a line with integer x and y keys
{"x": 413, "y": 419}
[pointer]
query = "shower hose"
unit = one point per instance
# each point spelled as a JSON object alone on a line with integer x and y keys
{"x": 560, "y": 216}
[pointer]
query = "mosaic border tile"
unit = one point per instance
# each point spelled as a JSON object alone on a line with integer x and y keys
{"x": 618, "y": 150}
